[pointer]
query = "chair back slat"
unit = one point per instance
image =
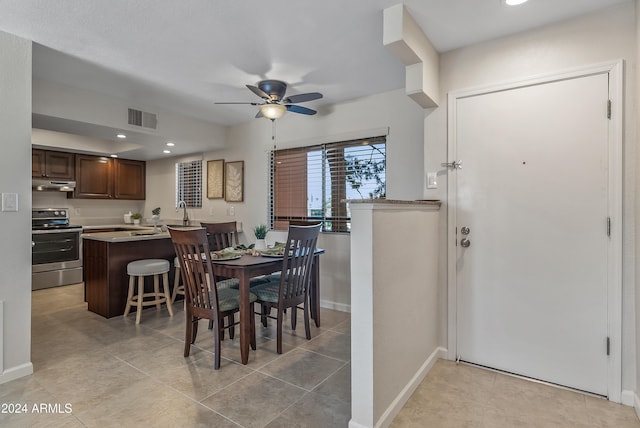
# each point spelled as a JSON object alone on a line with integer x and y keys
{"x": 296, "y": 269}
{"x": 221, "y": 235}
{"x": 193, "y": 251}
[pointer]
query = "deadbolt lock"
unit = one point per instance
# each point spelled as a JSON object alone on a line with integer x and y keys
{"x": 465, "y": 230}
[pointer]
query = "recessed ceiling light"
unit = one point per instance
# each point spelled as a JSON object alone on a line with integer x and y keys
{"x": 114, "y": 156}
{"x": 121, "y": 136}
{"x": 514, "y": 2}
{"x": 166, "y": 151}
{"x": 170, "y": 144}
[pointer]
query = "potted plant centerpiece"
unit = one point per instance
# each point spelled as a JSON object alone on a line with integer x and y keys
{"x": 261, "y": 233}
{"x": 136, "y": 218}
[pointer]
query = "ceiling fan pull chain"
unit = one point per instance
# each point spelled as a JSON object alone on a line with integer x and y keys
{"x": 273, "y": 133}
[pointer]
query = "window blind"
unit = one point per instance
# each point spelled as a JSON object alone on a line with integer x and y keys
{"x": 189, "y": 183}
{"x": 313, "y": 183}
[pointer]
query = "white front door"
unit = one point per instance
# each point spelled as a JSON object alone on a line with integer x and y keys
{"x": 533, "y": 195}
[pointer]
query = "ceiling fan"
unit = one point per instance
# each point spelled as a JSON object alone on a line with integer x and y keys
{"x": 274, "y": 103}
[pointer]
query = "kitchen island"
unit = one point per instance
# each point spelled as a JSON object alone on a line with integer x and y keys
{"x": 105, "y": 259}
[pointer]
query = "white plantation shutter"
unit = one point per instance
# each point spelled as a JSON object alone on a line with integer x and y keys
{"x": 189, "y": 183}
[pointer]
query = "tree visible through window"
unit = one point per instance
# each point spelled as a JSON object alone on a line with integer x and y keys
{"x": 313, "y": 183}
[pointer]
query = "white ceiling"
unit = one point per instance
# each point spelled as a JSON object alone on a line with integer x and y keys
{"x": 182, "y": 56}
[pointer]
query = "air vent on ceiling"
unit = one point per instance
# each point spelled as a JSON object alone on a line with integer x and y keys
{"x": 143, "y": 119}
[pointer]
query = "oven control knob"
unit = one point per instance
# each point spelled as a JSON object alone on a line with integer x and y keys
{"x": 55, "y": 213}
{"x": 63, "y": 213}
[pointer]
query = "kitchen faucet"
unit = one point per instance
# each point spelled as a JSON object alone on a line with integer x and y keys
{"x": 185, "y": 217}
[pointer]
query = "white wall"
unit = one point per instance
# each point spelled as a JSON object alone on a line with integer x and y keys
{"x": 637, "y": 214}
{"x": 251, "y": 142}
{"x": 57, "y": 100}
{"x": 603, "y": 36}
{"x": 15, "y": 248}
{"x": 395, "y": 309}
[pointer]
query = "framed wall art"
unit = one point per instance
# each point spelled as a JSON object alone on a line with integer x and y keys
{"x": 234, "y": 181}
{"x": 215, "y": 179}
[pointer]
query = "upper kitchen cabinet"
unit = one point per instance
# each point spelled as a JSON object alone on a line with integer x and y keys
{"x": 99, "y": 177}
{"x": 94, "y": 177}
{"x": 52, "y": 164}
{"x": 129, "y": 180}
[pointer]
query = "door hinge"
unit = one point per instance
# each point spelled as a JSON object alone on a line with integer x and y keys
{"x": 609, "y": 226}
{"x": 608, "y": 109}
{"x": 608, "y": 346}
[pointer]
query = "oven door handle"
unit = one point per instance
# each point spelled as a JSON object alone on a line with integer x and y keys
{"x": 46, "y": 231}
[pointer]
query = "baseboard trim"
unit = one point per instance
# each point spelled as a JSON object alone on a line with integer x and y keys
{"x": 355, "y": 425}
{"x": 398, "y": 403}
{"x": 342, "y": 307}
{"x": 626, "y": 398}
{"x": 16, "y": 372}
{"x": 636, "y": 405}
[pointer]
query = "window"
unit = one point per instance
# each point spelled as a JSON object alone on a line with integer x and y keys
{"x": 189, "y": 183}
{"x": 313, "y": 183}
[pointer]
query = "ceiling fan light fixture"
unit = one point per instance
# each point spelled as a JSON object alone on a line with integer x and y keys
{"x": 514, "y": 2}
{"x": 272, "y": 111}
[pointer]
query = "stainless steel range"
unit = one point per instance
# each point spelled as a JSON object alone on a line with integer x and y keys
{"x": 56, "y": 253}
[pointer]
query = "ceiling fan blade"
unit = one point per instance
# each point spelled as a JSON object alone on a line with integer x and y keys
{"x": 300, "y": 109}
{"x": 259, "y": 114}
{"x": 259, "y": 92}
{"x": 301, "y": 98}
{"x": 237, "y": 102}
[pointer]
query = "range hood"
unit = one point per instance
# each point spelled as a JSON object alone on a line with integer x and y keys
{"x": 53, "y": 185}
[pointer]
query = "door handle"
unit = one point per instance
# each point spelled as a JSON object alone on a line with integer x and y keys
{"x": 452, "y": 165}
{"x": 464, "y": 242}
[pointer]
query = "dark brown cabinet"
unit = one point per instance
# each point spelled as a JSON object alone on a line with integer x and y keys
{"x": 52, "y": 164}
{"x": 129, "y": 179}
{"x": 94, "y": 177}
{"x": 105, "y": 270}
{"x": 99, "y": 177}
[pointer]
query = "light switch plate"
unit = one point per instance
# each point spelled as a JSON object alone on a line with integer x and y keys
{"x": 9, "y": 202}
{"x": 432, "y": 180}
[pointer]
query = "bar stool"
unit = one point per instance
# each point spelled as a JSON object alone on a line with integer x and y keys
{"x": 177, "y": 287}
{"x": 140, "y": 269}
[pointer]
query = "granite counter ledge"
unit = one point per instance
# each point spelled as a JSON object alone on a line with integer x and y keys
{"x": 141, "y": 234}
{"x": 120, "y": 226}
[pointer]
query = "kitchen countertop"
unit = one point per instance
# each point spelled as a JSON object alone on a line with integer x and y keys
{"x": 135, "y": 233}
{"x": 115, "y": 226}
{"x": 138, "y": 234}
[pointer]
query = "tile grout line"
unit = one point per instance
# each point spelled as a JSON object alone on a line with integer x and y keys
{"x": 197, "y": 402}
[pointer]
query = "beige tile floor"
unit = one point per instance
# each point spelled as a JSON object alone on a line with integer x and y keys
{"x": 114, "y": 373}
{"x": 459, "y": 395}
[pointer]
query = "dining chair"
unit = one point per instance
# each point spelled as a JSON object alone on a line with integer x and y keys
{"x": 292, "y": 288}
{"x": 221, "y": 235}
{"x": 202, "y": 300}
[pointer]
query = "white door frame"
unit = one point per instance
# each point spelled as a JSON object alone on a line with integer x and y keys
{"x": 614, "y": 251}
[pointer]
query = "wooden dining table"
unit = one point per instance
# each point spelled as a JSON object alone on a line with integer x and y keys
{"x": 247, "y": 267}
